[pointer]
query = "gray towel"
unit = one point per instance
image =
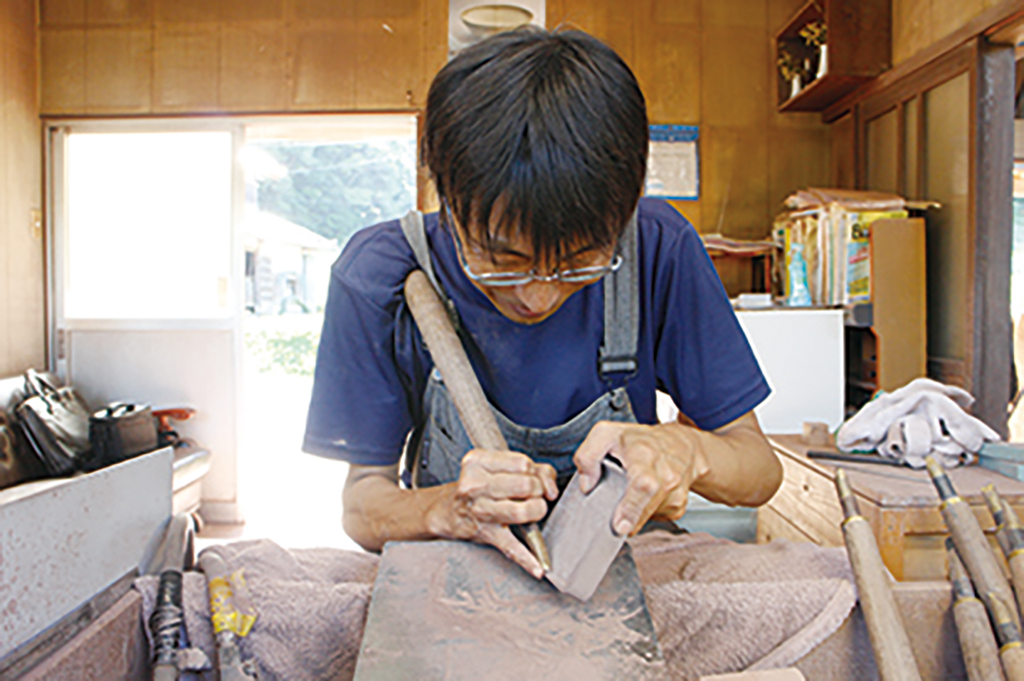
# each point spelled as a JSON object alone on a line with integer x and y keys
{"x": 723, "y": 607}
{"x": 717, "y": 606}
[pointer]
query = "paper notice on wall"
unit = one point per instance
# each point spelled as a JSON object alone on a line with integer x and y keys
{"x": 672, "y": 163}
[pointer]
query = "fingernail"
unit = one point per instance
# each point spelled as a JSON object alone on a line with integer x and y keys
{"x": 622, "y": 527}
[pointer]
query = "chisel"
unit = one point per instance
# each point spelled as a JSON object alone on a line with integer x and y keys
{"x": 452, "y": 362}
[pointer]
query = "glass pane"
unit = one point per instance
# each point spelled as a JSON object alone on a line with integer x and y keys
{"x": 310, "y": 185}
{"x": 947, "y": 180}
{"x": 911, "y": 111}
{"x": 148, "y": 225}
{"x": 883, "y": 152}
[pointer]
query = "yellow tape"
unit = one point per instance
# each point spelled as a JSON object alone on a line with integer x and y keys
{"x": 1015, "y": 553}
{"x": 851, "y": 519}
{"x": 1010, "y": 645}
{"x": 224, "y": 614}
{"x": 967, "y": 599}
{"x": 949, "y": 502}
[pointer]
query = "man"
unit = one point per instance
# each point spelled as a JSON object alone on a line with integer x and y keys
{"x": 537, "y": 144}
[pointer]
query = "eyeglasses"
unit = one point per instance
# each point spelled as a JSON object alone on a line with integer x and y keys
{"x": 579, "y": 275}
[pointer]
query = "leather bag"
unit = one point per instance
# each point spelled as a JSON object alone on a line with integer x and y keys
{"x": 55, "y": 423}
{"x": 121, "y": 431}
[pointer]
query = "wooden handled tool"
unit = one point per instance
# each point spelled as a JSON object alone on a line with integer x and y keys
{"x": 450, "y": 359}
{"x": 1009, "y": 541}
{"x": 1011, "y": 654}
{"x": 971, "y": 544}
{"x": 977, "y": 642}
{"x": 888, "y": 637}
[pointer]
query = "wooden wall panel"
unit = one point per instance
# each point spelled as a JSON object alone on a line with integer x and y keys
{"x": 710, "y": 63}
{"x": 62, "y": 73}
{"x": 186, "y": 69}
{"x": 22, "y": 283}
{"x": 118, "y": 12}
{"x": 916, "y": 24}
{"x": 237, "y": 56}
{"x": 62, "y": 12}
{"x": 388, "y": 48}
{"x": 253, "y": 67}
{"x": 318, "y": 81}
{"x": 118, "y": 70}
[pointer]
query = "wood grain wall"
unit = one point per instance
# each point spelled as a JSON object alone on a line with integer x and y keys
{"x": 916, "y": 24}
{"x": 711, "y": 63}
{"x": 238, "y": 56}
{"x": 22, "y": 283}
{"x": 702, "y": 62}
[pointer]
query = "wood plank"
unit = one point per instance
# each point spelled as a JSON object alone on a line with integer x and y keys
{"x": 773, "y": 525}
{"x": 387, "y": 53}
{"x": 904, "y": 487}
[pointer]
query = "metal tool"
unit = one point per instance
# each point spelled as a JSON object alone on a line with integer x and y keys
{"x": 856, "y": 458}
{"x": 888, "y": 637}
{"x": 451, "y": 361}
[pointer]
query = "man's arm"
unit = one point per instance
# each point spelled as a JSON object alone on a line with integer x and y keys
{"x": 494, "y": 490}
{"x": 733, "y": 465}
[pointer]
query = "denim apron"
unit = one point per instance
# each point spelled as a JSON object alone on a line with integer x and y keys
{"x": 435, "y": 450}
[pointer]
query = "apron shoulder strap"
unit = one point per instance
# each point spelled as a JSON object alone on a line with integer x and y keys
{"x": 416, "y": 235}
{"x": 622, "y": 309}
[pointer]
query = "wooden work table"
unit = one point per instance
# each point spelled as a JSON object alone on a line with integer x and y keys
{"x": 900, "y": 503}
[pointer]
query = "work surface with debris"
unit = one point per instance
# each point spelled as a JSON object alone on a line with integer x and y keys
{"x": 716, "y": 606}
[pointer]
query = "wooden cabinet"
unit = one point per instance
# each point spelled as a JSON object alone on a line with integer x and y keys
{"x": 900, "y": 504}
{"x": 858, "y": 43}
{"x": 886, "y": 339}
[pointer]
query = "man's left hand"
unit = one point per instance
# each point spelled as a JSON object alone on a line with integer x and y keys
{"x": 662, "y": 462}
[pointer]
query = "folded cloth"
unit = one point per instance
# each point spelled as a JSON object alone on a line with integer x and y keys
{"x": 922, "y": 418}
{"x": 310, "y": 605}
{"x": 717, "y": 606}
{"x": 720, "y": 607}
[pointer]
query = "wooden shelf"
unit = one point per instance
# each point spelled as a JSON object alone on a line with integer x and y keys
{"x": 859, "y": 48}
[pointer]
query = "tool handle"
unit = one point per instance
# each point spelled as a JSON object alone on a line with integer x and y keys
{"x": 450, "y": 359}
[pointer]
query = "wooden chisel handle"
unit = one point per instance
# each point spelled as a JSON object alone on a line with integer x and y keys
{"x": 459, "y": 378}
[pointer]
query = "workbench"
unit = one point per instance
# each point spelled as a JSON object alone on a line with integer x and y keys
{"x": 900, "y": 504}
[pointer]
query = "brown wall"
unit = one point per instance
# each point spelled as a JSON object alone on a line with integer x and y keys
{"x": 706, "y": 62}
{"x": 916, "y": 24}
{"x": 22, "y": 283}
{"x": 197, "y": 56}
{"x": 711, "y": 63}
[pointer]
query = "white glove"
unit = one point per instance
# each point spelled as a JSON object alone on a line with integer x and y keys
{"x": 924, "y": 417}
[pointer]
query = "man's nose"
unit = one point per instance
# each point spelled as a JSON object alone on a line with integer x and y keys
{"x": 539, "y": 296}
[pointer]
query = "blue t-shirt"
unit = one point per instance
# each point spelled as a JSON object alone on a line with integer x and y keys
{"x": 372, "y": 366}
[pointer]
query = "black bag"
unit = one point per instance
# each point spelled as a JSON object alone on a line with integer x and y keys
{"x": 18, "y": 463}
{"x": 121, "y": 431}
{"x": 55, "y": 423}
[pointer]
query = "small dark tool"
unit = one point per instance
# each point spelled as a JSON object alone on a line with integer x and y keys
{"x": 165, "y": 624}
{"x": 855, "y": 458}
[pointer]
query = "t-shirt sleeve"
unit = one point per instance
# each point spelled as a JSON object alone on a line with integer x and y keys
{"x": 358, "y": 409}
{"x": 703, "y": 359}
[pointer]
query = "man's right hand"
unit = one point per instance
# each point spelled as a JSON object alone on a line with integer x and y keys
{"x": 496, "y": 489}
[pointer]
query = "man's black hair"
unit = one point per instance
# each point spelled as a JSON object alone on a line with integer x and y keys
{"x": 539, "y": 132}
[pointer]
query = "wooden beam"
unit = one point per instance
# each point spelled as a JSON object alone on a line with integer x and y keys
{"x": 989, "y": 21}
{"x": 993, "y": 238}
